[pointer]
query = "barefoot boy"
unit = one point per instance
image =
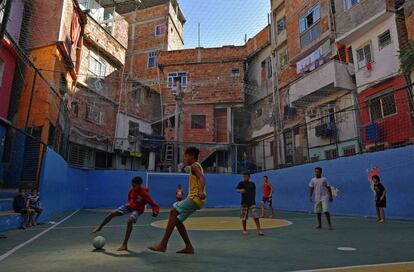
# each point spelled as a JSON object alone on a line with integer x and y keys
{"x": 248, "y": 202}
{"x": 138, "y": 197}
{"x": 323, "y": 195}
{"x": 183, "y": 209}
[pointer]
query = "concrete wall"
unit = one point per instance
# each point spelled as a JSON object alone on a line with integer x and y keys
{"x": 346, "y": 20}
{"x": 349, "y": 175}
{"x": 388, "y": 54}
{"x": 64, "y": 188}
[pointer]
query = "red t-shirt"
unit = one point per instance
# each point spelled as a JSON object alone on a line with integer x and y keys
{"x": 267, "y": 189}
{"x": 179, "y": 194}
{"x": 137, "y": 199}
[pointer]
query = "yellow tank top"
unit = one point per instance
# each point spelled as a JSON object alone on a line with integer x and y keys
{"x": 193, "y": 192}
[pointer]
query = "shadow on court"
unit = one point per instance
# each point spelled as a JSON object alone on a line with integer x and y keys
{"x": 286, "y": 247}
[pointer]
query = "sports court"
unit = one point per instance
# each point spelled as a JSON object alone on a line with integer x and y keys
{"x": 290, "y": 244}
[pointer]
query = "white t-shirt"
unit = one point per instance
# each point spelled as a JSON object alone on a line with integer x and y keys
{"x": 320, "y": 188}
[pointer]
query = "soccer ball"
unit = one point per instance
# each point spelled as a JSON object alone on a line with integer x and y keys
{"x": 99, "y": 242}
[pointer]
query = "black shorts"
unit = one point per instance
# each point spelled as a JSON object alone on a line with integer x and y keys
{"x": 267, "y": 199}
{"x": 381, "y": 203}
{"x": 22, "y": 211}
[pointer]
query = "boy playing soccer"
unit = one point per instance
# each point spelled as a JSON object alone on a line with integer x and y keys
{"x": 267, "y": 196}
{"x": 183, "y": 209}
{"x": 323, "y": 195}
{"x": 248, "y": 202}
{"x": 138, "y": 197}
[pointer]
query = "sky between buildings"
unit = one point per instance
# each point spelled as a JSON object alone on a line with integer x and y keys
{"x": 223, "y": 22}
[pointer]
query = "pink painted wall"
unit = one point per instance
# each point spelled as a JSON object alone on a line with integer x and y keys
{"x": 6, "y": 84}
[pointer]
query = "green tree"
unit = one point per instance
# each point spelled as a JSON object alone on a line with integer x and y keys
{"x": 407, "y": 58}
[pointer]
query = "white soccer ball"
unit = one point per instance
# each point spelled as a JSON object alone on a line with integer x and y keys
{"x": 99, "y": 242}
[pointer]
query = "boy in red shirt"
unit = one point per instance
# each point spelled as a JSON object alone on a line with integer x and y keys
{"x": 179, "y": 193}
{"x": 138, "y": 197}
{"x": 267, "y": 197}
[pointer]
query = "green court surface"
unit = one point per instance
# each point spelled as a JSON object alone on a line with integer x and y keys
{"x": 290, "y": 244}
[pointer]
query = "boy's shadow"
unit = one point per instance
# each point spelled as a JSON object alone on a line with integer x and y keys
{"x": 124, "y": 254}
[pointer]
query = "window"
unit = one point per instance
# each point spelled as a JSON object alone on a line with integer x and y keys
{"x": 235, "y": 72}
{"x": 309, "y": 18}
{"x": 350, "y": 55}
{"x": 349, "y": 151}
{"x": 103, "y": 160}
{"x": 350, "y": 3}
{"x": 382, "y": 107}
{"x": 181, "y": 75}
{"x": 133, "y": 129}
{"x": 384, "y": 39}
{"x": 283, "y": 58}
{"x": 259, "y": 112}
{"x": 123, "y": 160}
{"x": 331, "y": 154}
{"x": 152, "y": 59}
{"x": 94, "y": 113}
{"x": 269, "y": 67}
{"x": 281, "y": 25}
{"x": 97, "y": 66}
{"x": 364, "y": 56}
{"x": 309, "y": 36}
{"x": 63, "y": 84}
{"x": 198, "y": 121}
{"x": 328, "y": 115}
{"x": 160, "y": 30}
{"x": 1, "y": 71}
{"x": 136, "y": 93}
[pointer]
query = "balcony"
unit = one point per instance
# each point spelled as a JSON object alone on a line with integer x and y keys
{"x": 112, "y": 46}
{"x": 331, "y": 78}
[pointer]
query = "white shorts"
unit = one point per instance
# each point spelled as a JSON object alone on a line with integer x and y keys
{"x": 322, "y": 206}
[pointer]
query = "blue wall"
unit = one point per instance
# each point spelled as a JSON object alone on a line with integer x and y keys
{"x": 349, "y": 175}
{"x": 62, "y": 188}
{"x": 109, "y": 189}
{"x": 65, "y": 188}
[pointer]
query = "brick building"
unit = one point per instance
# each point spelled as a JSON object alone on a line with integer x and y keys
{"x": 212, "y": 80}
{"x": 53, "y": 47}
{"x": 94, "y": 103}
{"x": 256, "y": 125}
{"x": 8, "y": 54}
{"x": 372, "y": 33}
{"x": 315, "y": 84}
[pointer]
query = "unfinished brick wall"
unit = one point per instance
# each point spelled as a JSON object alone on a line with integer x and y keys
{"x": 210, "y": 80}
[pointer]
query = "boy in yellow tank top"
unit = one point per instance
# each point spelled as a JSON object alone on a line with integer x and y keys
{"x": 183, "y": 209}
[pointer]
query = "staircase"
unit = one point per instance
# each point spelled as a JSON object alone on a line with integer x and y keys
{"x": 8, "y": 218}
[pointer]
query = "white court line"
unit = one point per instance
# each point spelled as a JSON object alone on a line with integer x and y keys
{"x": 354, "y": 267}
{"x": 91, "y": 227}
{"x": 13, "y": 250}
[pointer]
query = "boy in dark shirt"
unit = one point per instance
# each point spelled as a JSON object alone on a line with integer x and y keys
{"x": 380, "y": 198}
{"x": 21, "y": 205}
{"x": 248, "y": 203}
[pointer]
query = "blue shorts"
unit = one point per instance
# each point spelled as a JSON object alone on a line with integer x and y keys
{"x": 185, "y": 208}
{"x": 124, "y": 209}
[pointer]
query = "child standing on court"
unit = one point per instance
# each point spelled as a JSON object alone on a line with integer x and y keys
{"x": 267, "y": 196}
{"x": 179, "y": 193}
{"x": 380, "y": 198}
{"x": 183, "y": 209}
{"x": 138, "y": 197}
{"x": 323, "y": 195}
{"x": 248, "y": 203}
